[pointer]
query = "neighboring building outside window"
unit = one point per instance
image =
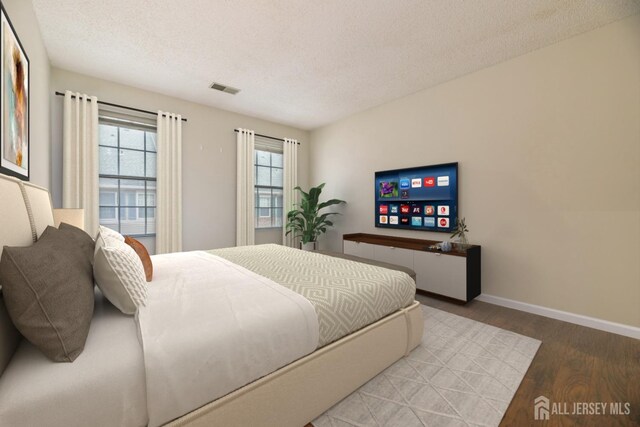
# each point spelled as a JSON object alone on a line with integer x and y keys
{"x": 268, "y": 189}
{"x": 127, "y": 153}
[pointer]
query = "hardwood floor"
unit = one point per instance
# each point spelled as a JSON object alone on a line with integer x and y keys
{"x": 573, "y": 365}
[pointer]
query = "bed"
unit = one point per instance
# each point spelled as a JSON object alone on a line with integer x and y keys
{"x": 121, "y": 377}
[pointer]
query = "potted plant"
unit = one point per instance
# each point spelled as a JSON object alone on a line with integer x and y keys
{"x": 306, "y": 221}
{"x": 461, "y": 231}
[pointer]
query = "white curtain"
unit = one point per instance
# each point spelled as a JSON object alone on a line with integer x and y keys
{"x": 80, "y": 157}
{"x": 169, "y": 183}
{"x": 290, "y": 151}
{"x": 245, "y": 199}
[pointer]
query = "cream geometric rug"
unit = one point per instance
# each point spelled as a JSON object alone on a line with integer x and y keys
{"x": 464, "y": 373}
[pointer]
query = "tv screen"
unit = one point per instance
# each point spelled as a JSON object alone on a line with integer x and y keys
{"x": 423, "y": 198}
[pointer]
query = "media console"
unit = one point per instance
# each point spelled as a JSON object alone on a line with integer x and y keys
{"x": 454, "y": 274}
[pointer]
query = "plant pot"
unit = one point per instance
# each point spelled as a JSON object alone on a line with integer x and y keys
{"x": 311, "y": 246}
{"x": 462, "y": 244}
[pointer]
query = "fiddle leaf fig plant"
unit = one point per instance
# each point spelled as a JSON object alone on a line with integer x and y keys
{"x": 306, "y": 221}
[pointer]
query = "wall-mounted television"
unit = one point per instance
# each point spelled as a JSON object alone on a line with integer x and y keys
{"x": 423, "y": 198}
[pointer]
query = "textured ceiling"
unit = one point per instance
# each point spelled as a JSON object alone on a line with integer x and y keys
{"x": 304, "y": 63}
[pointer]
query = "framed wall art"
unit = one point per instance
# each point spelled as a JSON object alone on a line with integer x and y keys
{"x": 14, "y": 98}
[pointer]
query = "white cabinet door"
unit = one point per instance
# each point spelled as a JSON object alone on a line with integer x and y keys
{"x": 363, "y": 250}
{"x": 441, "y": 274}
{"x": 391, "y": 255}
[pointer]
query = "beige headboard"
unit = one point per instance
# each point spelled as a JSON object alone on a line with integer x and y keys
{"x": 25, "y": 212}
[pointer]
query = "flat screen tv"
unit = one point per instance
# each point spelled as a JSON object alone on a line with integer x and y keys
{"x": 423, "y": 198}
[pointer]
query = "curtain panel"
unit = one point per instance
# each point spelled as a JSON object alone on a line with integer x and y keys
{"x": 169, "y": 183}
{"x": 80, "y": 157}
{"x": 245, "y": 198}
{"x": 290, "y": 151}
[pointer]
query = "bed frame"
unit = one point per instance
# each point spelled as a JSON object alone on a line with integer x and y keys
{"x": 291, "y": 396}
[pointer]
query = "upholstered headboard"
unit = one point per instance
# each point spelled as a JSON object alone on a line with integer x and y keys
{"x": 25, "y": 211}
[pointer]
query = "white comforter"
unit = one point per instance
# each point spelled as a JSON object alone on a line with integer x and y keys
{"x": 211, "y": 326}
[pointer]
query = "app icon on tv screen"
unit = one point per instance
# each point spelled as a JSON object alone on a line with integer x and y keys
{"x": 430, "y": 181}
{"x": 404, "y": 183}
{"x": 383, "y": 219}
{"x": 394, "y": 208}
{"x": 416, "y": 221}
{"x": 404, "y": 208}
{"x": 393, "y": 219}
{"x": 443, "y": 222}
{"x": 404, "y": 220}
{"x": 429, "y": 222}
{"x": 443, "y": 210}
{"x": 416, "y": 210}
{"x": 429, "y": 210}
{"x": 384, "y": 209}
{"x": 443, "y": 181}
{"x": 404, "y": 194}
{"x": 388, "y": 189}
{"x": 416, "y": 183}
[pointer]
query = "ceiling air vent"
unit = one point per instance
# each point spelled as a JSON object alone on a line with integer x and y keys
{"x": 223, "y": 88}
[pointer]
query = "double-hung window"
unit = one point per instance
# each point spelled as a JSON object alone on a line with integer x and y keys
{"x": 268, "y": 187}
{"x": 127, "y": 153}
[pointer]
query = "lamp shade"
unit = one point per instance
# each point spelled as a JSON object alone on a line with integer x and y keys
{"x": 73, "y": 217}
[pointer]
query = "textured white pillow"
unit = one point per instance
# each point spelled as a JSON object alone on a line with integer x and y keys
{"x": 119, "y": 274}
{"x": 107, "y": 232}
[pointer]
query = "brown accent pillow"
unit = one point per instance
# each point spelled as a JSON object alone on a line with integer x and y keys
{"x": 48, "y": 291}
{"x": 143, "y": 254}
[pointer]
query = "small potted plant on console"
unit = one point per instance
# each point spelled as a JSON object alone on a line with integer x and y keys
{"x": 460, "y": 232}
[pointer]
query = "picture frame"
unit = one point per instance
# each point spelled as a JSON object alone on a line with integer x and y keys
{"x": 15, "y": 155}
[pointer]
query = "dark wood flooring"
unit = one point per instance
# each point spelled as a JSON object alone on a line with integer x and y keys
{"x": 574, "y": 364}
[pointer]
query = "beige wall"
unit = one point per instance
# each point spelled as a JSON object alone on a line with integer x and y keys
{"x": 209, "y": 155}
{"x": 23, "y": 18}
{"x": 549, "y": 151}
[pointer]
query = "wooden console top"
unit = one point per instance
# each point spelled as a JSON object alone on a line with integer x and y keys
{"x": 403, "y": 242}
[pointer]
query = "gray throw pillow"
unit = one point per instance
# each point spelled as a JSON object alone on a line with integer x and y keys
{"x": 81, "y": 239}
{"x": 48, "y": 291}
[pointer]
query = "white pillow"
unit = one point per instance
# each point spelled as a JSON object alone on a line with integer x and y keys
{"x": 107, "y": 232}
{"x": 119, "y": 274}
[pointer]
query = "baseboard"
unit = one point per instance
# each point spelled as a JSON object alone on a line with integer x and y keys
{"x": 578, "y": 319}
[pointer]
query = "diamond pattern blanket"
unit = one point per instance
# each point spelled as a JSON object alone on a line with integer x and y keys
{"x": 346, "y": 295}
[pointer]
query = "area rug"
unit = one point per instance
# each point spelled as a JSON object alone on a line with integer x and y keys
{"x": 464, "y": 373}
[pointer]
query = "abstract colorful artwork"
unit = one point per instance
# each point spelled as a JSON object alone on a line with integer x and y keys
{"x": 14, "y": 96}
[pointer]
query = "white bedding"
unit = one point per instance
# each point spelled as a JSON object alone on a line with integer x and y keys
{"x": 104, "y": 386}
{"x": 208, "y": 328}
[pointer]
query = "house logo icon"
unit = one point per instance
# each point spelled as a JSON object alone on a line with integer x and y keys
{"x": 541, "y": 408}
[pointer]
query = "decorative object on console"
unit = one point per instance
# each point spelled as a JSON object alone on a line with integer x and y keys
{"x": 142, "y": 252}
{"x": 306, "y": 221}
{"x": 14, "y": 91}
{"x": 461, "y": 231}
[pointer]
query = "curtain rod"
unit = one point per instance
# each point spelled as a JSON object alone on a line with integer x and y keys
{"x": 122, "y": 106}
{"x": 267, "y": 136}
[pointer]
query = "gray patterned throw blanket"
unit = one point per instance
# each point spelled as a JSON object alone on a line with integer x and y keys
{"x": 346, "y": 295}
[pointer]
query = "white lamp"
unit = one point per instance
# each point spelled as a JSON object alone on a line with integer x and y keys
{"x": 73, "y": 217}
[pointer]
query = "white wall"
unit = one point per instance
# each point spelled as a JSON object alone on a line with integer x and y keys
{"x": 209, "y": 155}
{"x": 24, "y": 20}
{"x": 549, "y": 151}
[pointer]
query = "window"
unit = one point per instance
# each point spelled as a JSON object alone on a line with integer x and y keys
{"x": 127, "y": 176}
{"x": 268, "y": 189}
